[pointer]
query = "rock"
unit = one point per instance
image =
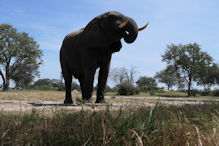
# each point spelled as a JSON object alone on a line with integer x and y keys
{"x": 75, "y": 91}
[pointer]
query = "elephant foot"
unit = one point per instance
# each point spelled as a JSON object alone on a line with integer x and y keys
{"x": 68, "y": 101}
{"x": 86, "y": 101}
{"x": 100, "y": 100}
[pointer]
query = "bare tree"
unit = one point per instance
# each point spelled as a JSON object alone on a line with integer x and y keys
{"x": 124, "y": 79}
{"x": 121, "y": 74}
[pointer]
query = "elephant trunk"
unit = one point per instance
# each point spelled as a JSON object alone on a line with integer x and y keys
{"x": 131, "y": 31}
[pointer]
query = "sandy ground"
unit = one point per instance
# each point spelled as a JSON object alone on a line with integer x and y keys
{"x": 9, "y": 105}
{"x": 173, "y": 100}
{"x": 15, "y": 105}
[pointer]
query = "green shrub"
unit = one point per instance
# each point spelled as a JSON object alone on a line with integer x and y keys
{"x": 151, "y": 92}
{"x": 160, "y": 91}
{"x": 126, "y": 89}
{"x": 137, "y": 90}
{"x": 182, "y": 90}
{"x": 75, "y": 86}
{"x": 107, "y": 88}
{"x": 205, "y": 92}
{"x": 61, "y": 87}
{"x": 215, "y": 92}
{"x": 195, "y": 92}
{"x": 44, "y": 87}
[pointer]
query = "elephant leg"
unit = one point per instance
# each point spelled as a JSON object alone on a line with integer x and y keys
{"x": 102, "y": 79}
{"x": 81, "y": 81}
{"x": 68, "y": 82}
{"x": 88, "y": 85}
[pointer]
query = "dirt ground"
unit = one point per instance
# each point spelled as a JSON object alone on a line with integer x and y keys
{"x": 9, "y": 105}
{"x": 114, "y": 103}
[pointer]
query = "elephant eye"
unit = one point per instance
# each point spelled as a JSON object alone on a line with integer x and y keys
{"x": 117, "y": 22}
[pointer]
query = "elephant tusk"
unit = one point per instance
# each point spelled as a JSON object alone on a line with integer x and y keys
{"x": 142, "y": 28}
{"x": 124, "y": 24}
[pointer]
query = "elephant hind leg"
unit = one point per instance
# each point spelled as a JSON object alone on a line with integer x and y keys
{"x": 81, "y": 81}
{"x": 87, "y": 87}
{"x": 68, "y": 82}
{"x": 102, "y": 79}
{"x": 83, "y": 90}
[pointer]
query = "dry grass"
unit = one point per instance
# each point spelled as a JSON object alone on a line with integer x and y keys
{"x": 131, "y": 100}
{"x": 160, "y": 125}
{"x": 34, "y": 95}
{"x": 130, "y": 125}
{"x": 171, "y": 94}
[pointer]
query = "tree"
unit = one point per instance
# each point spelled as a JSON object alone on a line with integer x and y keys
{"x": 122, "y": 74}
{"x": 208, "y": 75}
{"x": 16, "y": 50}
{"x": 187, "y": 60}
{"x": 146, "y": 83}
{"x": 169, "y": 77}
{"x": 43, "y": 84}
{"x": 24, "y": 75}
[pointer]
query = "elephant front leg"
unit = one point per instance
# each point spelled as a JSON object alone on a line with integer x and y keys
{"x": 102, "y": 79}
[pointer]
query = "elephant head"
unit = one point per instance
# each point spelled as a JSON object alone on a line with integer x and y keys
{"x": 108, "y": 29}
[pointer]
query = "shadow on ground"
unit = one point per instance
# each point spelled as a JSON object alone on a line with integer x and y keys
{"x": 50, "y": 104}
{"x": 64, "y": 105}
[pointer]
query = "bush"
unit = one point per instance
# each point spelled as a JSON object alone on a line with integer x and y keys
{"x": 160, "y": 91}
{"x": 75, "y": 86}
{"x": 61, "y": 87}
{"x": 215, "y": 92}
{"x": 137, "y": 90}
{"x": 107, "y": 88}
{"x": 194, "y": 92}
{"x": 205, "y": 92}
{"x": 115, "y": 89}
{"x": 151, "y": 92}
{"x": 126, "y": 89}
{"x": 182, "y": 90}
{"x": 44, "y": 87}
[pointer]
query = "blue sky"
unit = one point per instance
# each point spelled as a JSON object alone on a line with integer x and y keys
{"x": 171, "y": 21}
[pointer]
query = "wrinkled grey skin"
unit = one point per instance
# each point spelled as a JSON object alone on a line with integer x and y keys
{"x": 89, "y": 48}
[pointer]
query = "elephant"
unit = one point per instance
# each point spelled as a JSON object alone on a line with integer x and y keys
{"x": 85, "y": 50}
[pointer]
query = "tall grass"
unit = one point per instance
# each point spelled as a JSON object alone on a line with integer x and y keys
{"x": 159, "y": 125}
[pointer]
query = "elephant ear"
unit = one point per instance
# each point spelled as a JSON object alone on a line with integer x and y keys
{"x": 95, "y": 33}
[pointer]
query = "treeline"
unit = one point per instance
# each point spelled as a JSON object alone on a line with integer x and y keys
{"x": 187, "y": 68}
{"x": 49, "y": 84}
